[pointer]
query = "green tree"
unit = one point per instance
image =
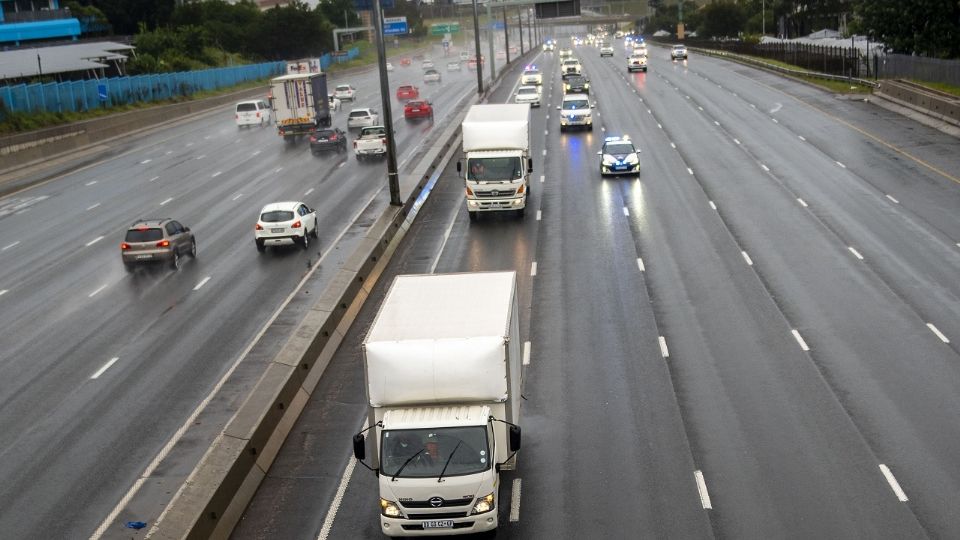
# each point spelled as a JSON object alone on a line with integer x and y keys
{"x": 408, "y": 9}
{"x": 293, "y": 31}
{"x": 340, "y": 13}
{"x": 924, "y": 27}
{"x": 227, "y": 26}
{"x": 127, "y": 15}
{"x": 722, "y": 19}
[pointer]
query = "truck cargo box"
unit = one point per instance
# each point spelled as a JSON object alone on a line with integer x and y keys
{"x": 497, "y": 127}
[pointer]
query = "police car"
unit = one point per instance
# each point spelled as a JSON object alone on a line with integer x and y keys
{"x": 619, "y": 156}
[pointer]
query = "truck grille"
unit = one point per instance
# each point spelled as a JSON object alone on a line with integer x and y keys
{"x": 442, "y": 515}
{"x": 495, "y": 194}
{"x": 446, "y": 503}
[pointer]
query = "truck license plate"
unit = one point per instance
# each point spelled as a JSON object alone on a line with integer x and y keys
{"x": 438, "y": 524}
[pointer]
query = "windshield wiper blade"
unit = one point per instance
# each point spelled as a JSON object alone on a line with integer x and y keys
{"x": 440, "y": 479}
{"x": 405, "y": 463}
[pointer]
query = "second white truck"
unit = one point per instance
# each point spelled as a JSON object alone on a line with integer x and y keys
{"x": 300, "y": 104}
{"x": 442, "y": 363}
{"x": 496, "y": 147}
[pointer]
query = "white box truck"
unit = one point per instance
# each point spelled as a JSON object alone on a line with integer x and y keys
{"x": 442, "y": 363}
{"x": 300, "y": 104}
{"x": 496, "y": 147}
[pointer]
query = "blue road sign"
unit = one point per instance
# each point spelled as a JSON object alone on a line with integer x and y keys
{"x": 102, "y": 91}
{"x": 367, "y": 5}
{"x": 498, "y": 25}
{"x": 393, "y": 26}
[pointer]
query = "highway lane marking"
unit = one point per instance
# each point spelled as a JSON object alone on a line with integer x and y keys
{"x": 660, "y": 125}
{"x": 699, "y": 107}
{"x": 166, "y": 201}
{"x": 542, "y": 178}
{"x": 8, "y": 246}
{"x": 544, "y": 151}
{"x": 189, "y": 144}
{"x": 602, "y": 128}
{"x": 894, "y": 485}
{"x": 338, "y": 497}
{"x": 765, "y": 167}
{"x": 801, "y": 138}
{"x": 515, "y": 501}
{"x": 775, "y": 121}
{"x": 309, "y": 191}
{"x": 717, "y": 123}
{"x": 752, "y": 105}
{"x": 168, "y": 152}
{"x": 526, "y": 353}
{"x": 799, "y": 338}
{"x": 891, "y": 197}
{"x": 201, "y": 156}
{"x": 802, "y": 202}
{"x": 855, "y": 252}
{"x": 539, "y": 215}
{"x": 688, "y": 97}
{"x": 257, "y": 153}
{"x": 626, "y": 211}
{"x": 3, "y": 292}
{"x": 207, "y": 138}
{"x": 548, "y": 114}
{"x": 546, "y": 132}
{"x": 533, "y": 269}
{"x": 446, "y": 236}
{"x": 736, "y": 140}
{"x": 344, "y": 163}
{"x": 202, "y": 283}
{"x": 939, "y": 334}
{"x": 94, "y": 241}
{"x": 93, "y": 206}
{"x": 713, "y": 205}
{"x": 94, "y": 293}
{"x": 747, "y": 258}
{"x": 841, "y": 165}
{"x": 689, "y": 170}
{"x": 104, "y": 368}
{"x": 649, "y": 111}
{"x": 216, "y": 174}
{"x": 153, "y": 179}
{"x": 702, "y": 489}
{"x": 673, "y": 146}
{"x": 664, "y": 351}
{"x": 237, "y": 196}
{"x": 144, "y": 162}
{"x": 640, "y": 264}
{"x": 90, "y": 183}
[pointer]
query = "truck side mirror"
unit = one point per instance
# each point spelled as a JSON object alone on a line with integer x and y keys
{"x": 558, "y": 107}
{"x": 529, "y": 165}
{"x": 459, "y": 167}
{"x": 360, "y": 447}
{"x": 514, "y": 442}
{"x": 600, "y": 153}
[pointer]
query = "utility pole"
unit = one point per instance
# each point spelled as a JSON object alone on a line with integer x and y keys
{"x": 763, "y": 17}
{"x": 520, "y": 26}
{"x": 393, "y": 178}
{"x": 476, "y": 38}
{"x": 506, "y": 34}
{"x": 490, "y": 38}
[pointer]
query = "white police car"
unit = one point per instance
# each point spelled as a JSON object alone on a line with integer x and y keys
{"x": 619, "y": 156}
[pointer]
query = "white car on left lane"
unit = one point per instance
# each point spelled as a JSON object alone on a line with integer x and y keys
{"x": 345, "y": 92}
{"x": 285, "y": 223}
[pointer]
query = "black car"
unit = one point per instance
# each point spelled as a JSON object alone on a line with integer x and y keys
{"x": 576, "y": 84}
{"x": 328, "y": 139}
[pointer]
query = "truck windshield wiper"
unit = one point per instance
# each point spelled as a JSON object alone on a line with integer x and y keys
{"x": 445, "y": 465}
{"x": 405, "y": 463}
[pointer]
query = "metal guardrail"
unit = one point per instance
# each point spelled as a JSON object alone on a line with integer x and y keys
{"x": 780, "y": 69}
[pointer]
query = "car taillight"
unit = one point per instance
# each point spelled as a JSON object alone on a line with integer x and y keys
{"x": 333, "y": 137}
{"x": 296, "y": 225}
{"x": 313, "y": 139}
{"x": 258, "y": 227}
{"x": 258, "y": 114}
{"x": 163, "y": 243}
{"x": 124, "y": 245}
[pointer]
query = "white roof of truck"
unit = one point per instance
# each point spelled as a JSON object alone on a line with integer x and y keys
{"x": 445, "y": 306}
{"x": 506, "y": 112}
{"x": 431, "y": 417}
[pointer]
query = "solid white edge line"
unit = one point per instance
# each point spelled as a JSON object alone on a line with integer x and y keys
{"x": 166, "y": 201}
{"x": 202, "y": 283}
{"x": 8, "y": 246}
{"x": 94, "y": 293}
{"x": 939, "y": 334}
{"x": 640, "y": 264}
{"x": 539, "y": 215}
{"x": 526, "y": 353}
{"x": 799, "y": 338}
{"x": 802, "y": 202}
{"x": 338, "y": 497}
{"x": 93, "y": 206}
{"x": 892, "y": 198}
{"x": 94, "y": 241}
{"x": 664, "y": 351}
{"x": 689, "y": 170}
{"x": 855, "y": 252}
{"x": 104, "y": 368}
{"x": 542, "y": 178}
{"x": 894, "y": 485}
{"x": 747, "y": 258}
{"x": 515, "y": 501}
{"x": 216, "y": 174}
{"x": 713, "y": 205}
{"x": 764, "y": 167}
{"x": 626, "y": 211}
{"x": 702, "y": 489}
{"x": 533, "y": 268}
{"x": 3, "y": 292}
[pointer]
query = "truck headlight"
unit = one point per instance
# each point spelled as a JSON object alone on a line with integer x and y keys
{"x": 483, "y": 504}
{"x": 390, "y": 509}
{"x": 586, "y": 86}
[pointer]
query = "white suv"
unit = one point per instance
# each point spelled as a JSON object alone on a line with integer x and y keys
{"x": 531, "y": 75}
{"x": 360, "y": 118}
{"x": 637, "y": 62}
{"x": 285, "y": 223}
{"x": 575, "y": 111}
{"x": 678, "y": 52}
{"x": 606, "y": 50}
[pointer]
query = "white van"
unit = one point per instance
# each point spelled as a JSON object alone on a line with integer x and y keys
{"x": 253, "y": 113}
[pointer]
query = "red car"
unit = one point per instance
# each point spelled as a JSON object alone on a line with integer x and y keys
{"x": 418, "y": 109}
{"x": 405, "y": 61}
{"x": 408, "y": 92}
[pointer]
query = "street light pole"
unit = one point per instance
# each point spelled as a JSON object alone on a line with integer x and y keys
{"x": 476, "y": 38}
{"x": 506, "y": 34}
{"x": 763, "y": 17}
{"x": 490, "y": 38}
{"x": 393, "y": 178}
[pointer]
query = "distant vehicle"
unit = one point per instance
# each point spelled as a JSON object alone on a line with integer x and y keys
{"x": 252, "y": 113}
{"x": 618, "y": 35}
{"x": 514, "y": 49}
{"x": 576, "y": 84}
{"x": 328, "y": 139}
{"x": 150, "y": 241}
{"x": 454, "y": 66}
{"x": 285, "y": 223}
{"x": 618, "y": 155}
{"x": 549, "y": 46}
{"x": 464, "y": 55}
{"x": 345, "y": 92}
{"x": 389, "y": 66}
{"x": 427, "y": 64}
{"x": 571, "y": 66}
{"x": 606, "y": 50}
{"x": 501, "y": 54}
{"x": 299, "y": 104}
{"x": 528, "y": 94}
{"x": 405, "y": 61}
{"x": 360, "y": 118}
{"x": 418, "y": 109}
{"x": 531, "y": 75}
{"x": 576, "y": 112}
{"x": 334, "y": 102}
{"x": 408, "y": 92}
{"x": 372, "y": 142}
{"x": 637, "y": 62}
{"x": 677, "y": 52}
{"x": 472, "y": 62}
{"x": 565, "y": 53}
{"x": 431, "y": 75}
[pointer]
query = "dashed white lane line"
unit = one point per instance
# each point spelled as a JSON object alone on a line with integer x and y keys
{"x": 764, "y": 167}
{"x": 602, "y": 128}
{"x": 91, "y": 207}
{"x": 94, "y": 241}
{"x": 649, "y": 111}
{"x": 855, "y": 252}
{"x": 90, "y": 183}
{"x": 344, "y": 163}
{"x": 3, "y": 292}
{"x": 104, "y": 368}
{"x": 202, "y": 283}
{"x": 201, "y": 156}
{"x": 939, "y": 334}
{"x": 717, "y": 123}
{"x": 309, "y": 191}
{"x": 802, "y": 202}
{"x": 548, "y": 116}
{"x": 526, "y": 353}
{"x": 892, "y": 198}
{"x": 207, "y": 138}
{"x": 539, "y": 215}
{"x": 546, "y": 132}
{"x": 278, "y": 169}
{"x": 799, "y": 338}
{"x": 168, "y": 152}
{"x": 155, "y": 178}
{"x": 842, "y": 166}
{"x": 257, "y": 153}
{"x": 168, "y": 199}
{"x": 702, "y": 489}
{"x": 338, "y": 497}
{"x": 9, "y": 246}
{"x": 144, "y": 162}
{"x": 659, "y": 125}
{"x": 542, "y": 178}
{"x": 94, "y": 293}
{"x": 801, "y": 138}
{"x": 713, "y": 205}
{"x": 216, "y": 174}
{"x": 544, "y": 151}
{"x": 664, "y": 351}
{"x": 747, "y": 258}
{"x": 626, "y": 211}
{"x": 673, "y": 146}
{"x": 699, "y": 107}
{"x": 237, "y": 196}
{"x": 775, "y": 121}
{"x": 894, "y": 485}
{"x": 515, "y": 500}
{"x": 753, "y": 106}
{"x": 736, "y": 141}
{"x": 533, "y": 269}
{"x": 189, "y": 144}
{"x": 689, "y": 170}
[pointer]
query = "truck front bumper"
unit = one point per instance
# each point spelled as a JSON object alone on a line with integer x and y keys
{"x": 461, "y": 525}
{"x": 493, "y": 205}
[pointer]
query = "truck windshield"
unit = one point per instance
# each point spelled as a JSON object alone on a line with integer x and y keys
{"x": 432, "y": 449}
{"x": 499, "y": 168}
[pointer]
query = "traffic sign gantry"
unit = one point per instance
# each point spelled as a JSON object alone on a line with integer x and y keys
{"x": 439, "y": 29}
{"x": 394, "y": 26}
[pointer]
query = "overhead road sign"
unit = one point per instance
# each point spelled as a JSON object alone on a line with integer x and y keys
{"x": 367, "y": 5}
{"x": 393, "y": 26}
{"x": 439, "y": 29}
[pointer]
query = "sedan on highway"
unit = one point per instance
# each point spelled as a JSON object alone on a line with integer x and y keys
{"x": 151, "y": 241}
{"x": 427, "y": 64}
{"x": 408, "y": 92}
{"x": 454, "y": 66}
{"x": 362, "y": 118}
{"x": 528, "y": 94}
{"x": 285, "y": 223}
{"x": 576, "y": 112}
{"x": 576, "y": 84}
{"x": 678, "y": 52}
{"x": 328, "y": 139}
{"x": 531, "y": 75}
{"x": 618, "y": 155}
{"x": 418, "y": 109}
{"x": 431, "y": 76}
{"x": 344, "y": 92}
{"x": 606, "y": 50}
{"x": 565, "y": 52}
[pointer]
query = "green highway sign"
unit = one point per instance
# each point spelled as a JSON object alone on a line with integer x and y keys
{"x": 439, "y": 29}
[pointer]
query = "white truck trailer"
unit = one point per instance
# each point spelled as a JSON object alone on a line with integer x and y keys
{"x": 300, "y": 104}
{"x": 496, "y": 147}
{"x": 442, "y": 363}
